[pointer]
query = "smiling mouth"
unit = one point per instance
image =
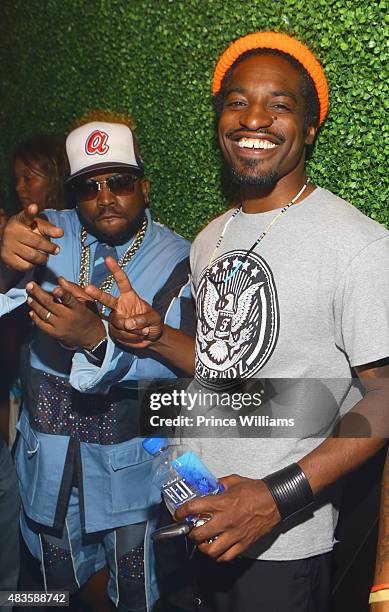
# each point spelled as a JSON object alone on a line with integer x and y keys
{"x": 256, "y": 143}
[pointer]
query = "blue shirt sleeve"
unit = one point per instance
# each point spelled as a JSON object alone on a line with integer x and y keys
{"x": 16, "y": 296}
{"x": 121, "y": 366}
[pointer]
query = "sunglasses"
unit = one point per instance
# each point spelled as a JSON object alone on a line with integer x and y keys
{"x": 118, "y": 184}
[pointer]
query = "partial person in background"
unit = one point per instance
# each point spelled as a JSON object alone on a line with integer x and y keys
{"x": 40, "y": 168}
{"x": 379, "y": 596}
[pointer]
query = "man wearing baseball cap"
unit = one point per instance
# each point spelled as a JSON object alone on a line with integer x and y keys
{"x": 291, "y": 284}
{"x": 85, "y": 478}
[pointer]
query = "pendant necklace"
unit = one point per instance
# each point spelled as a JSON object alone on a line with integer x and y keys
{"x": 258, "y": 240}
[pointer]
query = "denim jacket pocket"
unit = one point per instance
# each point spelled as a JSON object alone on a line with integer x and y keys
{"x": 131, "y": 478}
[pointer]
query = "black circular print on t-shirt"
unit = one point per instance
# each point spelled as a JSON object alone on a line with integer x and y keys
{"x": 238, "y": 318}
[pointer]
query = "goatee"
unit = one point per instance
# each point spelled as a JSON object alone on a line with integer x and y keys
{"x": 119, "y": 237}
{"x": 250, "y": 174}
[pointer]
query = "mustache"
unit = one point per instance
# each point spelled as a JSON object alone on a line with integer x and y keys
{"x": 233, "y": 134}
{"x": 107, "y": 212}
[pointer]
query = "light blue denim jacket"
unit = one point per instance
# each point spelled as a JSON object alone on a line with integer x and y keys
{"x": 115, "y": 475}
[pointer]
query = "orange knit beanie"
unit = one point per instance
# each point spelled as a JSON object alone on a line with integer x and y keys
{"x": 280, "y": 42}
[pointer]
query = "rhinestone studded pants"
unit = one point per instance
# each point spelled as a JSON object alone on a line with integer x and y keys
{"x": 69, "y": 561}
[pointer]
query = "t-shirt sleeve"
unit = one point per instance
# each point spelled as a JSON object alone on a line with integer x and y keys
{"x": 192, "y": 266}
{"x": 361, "y": 305}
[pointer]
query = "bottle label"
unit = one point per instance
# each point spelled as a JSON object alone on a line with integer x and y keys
{"x": 178, "y": 492}
{"x": 196, "y": 475}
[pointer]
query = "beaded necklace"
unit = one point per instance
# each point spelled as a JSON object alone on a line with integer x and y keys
{"x": 126, "y": 257}
{"x": 258, "y": 240}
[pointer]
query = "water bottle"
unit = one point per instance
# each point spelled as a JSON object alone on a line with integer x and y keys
{"x": 180, "y": 476}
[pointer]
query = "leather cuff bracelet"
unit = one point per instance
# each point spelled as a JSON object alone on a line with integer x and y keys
{"x": 290, "y": 489}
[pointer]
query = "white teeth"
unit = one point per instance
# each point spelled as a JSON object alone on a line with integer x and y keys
{"x": 255, "y": 143}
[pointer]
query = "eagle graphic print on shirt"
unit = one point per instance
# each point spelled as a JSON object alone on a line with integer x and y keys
{"x": 238, "y": 318}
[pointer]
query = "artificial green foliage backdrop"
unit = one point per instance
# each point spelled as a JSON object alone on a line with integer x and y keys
{"x": 155, "y": 58}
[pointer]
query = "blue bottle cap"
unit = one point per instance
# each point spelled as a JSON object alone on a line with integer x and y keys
{"x": 154, "y": 445}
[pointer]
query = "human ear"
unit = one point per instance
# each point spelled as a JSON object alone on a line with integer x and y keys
{"x": 145, "y": 186}
{"x": 310, "y": 134}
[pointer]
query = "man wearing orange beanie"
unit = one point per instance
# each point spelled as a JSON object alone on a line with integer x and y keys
{"x": 287, "y": 288}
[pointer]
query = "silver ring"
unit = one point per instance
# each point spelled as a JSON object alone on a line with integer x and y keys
{"x": 48, "y": 315}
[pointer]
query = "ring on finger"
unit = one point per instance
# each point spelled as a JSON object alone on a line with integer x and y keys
{"x": 48, "y": 315}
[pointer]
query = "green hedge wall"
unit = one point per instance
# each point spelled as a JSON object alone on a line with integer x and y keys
{"x": 155, "y": 58}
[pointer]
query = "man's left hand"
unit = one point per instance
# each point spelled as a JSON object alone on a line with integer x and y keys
{"x": 68, "y": 315}
{"x": 239, "y": 517}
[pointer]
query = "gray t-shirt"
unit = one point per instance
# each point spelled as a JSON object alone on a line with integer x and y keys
{"x": 310, "y": 302}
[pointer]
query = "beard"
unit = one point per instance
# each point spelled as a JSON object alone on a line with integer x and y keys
{"x": 118, "y": 237}
{"x": 249, "y": 173}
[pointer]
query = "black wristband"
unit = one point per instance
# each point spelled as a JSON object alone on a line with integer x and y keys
{"x": 290, "y": 489}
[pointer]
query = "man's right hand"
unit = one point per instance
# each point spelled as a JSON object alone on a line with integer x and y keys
{"x": 135, "y": 324}
{"x": 26, "y": 240}
{"x": 132, "y": 322}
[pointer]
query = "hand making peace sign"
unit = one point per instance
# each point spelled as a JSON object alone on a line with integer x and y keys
{"x": 132, "y": 322}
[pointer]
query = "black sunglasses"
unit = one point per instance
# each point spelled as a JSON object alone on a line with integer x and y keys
{"x": 118, "y": 184}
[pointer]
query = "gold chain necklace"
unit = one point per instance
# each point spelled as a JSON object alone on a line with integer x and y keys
{"x": 106, "y": 286}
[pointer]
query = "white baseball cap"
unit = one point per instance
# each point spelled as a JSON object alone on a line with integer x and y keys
{"x": 100, "y": 146}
